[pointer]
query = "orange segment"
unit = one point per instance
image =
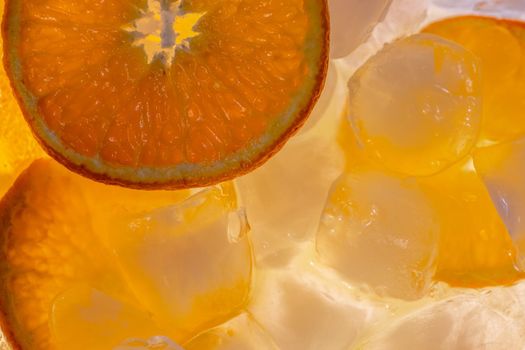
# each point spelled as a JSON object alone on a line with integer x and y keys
{"x": 205, "y": 92}
{"x": 47, "y": 243}
{"x": 475, "y": 249}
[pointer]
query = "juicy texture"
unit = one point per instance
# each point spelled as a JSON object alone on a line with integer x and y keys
{"x": 245, "y": 83}
{"x": 35, "y": 246}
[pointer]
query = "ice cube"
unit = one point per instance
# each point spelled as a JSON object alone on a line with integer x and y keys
{"x": 189, "y": 264}
{"x": 240, "y": 333}
{"x": 352, "y": 22}
{"x": 474, "y": 246}
{"x": 303, "y": 309}
{"x": 502, "y": 168}
{"x": 381, "y": 232}
{"x": 489, "y": 319}
{"x": 415, "y": 106}
{"x": 284, "y": 198}
{"x": 86, "y": 318}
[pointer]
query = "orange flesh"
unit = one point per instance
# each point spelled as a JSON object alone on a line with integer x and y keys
{"x": 475, "y": 249}
{"x": 59, "y": 244}
{"x": 35, "y": 246}
{"x": 99, "y": 98}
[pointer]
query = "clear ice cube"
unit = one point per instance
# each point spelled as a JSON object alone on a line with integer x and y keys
{"x": 380, "y": 231}
{"x": 190, "y": 264}
{"x": 416, "y": 105}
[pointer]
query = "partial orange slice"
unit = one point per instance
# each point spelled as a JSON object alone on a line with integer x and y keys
{"x": 80, "y": 274}
{"x": 165, "y": 93}
{"x": 475, "y": 249}
{"x": 18, "y": 147}
{"x": 46, "y": 245}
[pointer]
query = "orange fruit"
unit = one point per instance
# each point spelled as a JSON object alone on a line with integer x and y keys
{"x": 158, "y": 94}
{"x": 47, "y": 243}
{"x": 475, "y": 249}
{"x": 136, "y": 271}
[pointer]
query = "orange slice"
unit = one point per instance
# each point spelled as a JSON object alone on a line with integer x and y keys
{"x": 46, "y": 245}
{"x": 475, "y": 249}
{"x": 77, "y": 273}
{"x": 157, "y": 94}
